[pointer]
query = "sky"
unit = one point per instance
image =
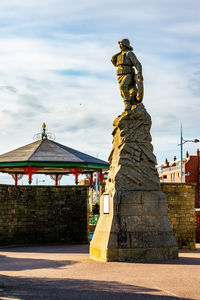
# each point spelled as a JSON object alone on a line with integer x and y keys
{"x": 55, "y": 68}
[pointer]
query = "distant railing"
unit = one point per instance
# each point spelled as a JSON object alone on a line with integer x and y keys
{"x": 93, "y": 219}
{"x": 169, "y": 169}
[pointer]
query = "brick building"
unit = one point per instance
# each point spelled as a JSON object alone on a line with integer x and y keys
{"x": 171, "y": 172}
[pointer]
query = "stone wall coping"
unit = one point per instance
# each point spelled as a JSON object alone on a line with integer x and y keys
{"x": 44, "y": 186}
{"x": 177, "y": 184}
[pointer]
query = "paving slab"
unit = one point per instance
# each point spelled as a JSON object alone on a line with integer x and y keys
{"x": 66, "y": 272}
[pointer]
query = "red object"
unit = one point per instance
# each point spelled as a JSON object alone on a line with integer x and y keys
{"x": 91, "y": 179}
{"x": 76, "y": 171}
{"x": 192, "y": 168}
{"x": 197, "y": 225}
{"x": 16, "y": 177}
{"x": 30, "y": 171}
{"x": 101, "y": 176}
{"x": 56, "y": 178}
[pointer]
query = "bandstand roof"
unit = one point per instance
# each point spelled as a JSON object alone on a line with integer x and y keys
{"x": 49, "y": 157}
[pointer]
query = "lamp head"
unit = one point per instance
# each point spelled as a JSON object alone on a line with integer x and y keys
{"x": 196, "y": 141}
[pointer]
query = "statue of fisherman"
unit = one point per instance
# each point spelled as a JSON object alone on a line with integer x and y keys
{"x": 130, "y": 82}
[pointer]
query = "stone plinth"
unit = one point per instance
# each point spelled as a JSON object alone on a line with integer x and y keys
{"x": 136, "y": 228}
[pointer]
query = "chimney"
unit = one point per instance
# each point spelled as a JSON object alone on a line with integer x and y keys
{"x": 197, "y": 152}
{"x": 175, "y": 158}
{"x": 166, "y": 163}
{"x": 187, "y": 154}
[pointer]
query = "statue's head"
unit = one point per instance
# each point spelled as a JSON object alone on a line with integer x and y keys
{"x": 125, "y": 43}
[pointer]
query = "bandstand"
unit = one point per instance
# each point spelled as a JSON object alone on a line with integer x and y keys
{"x": 45, "y": 156}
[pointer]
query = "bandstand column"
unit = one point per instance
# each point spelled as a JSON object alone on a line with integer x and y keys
{"x": 56, "y": 178}
{"x": 101, "y": 176}
{"x": 30, "y": 171}
{"x": 76, "y": 171}
{"x": 91, "y": 179}
{"x": 16, "y": 177}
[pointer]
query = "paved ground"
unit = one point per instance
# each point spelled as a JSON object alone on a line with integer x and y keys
{"x": 66, "y": 272}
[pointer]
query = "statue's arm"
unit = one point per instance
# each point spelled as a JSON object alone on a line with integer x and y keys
{"x": 135, "y": 62}
{"x": 114, "y": 59}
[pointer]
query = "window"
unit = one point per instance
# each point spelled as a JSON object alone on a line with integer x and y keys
{"x": 173, "y": 177}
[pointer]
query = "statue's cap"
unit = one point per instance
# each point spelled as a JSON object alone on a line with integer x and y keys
{"x": 126, "y": 43}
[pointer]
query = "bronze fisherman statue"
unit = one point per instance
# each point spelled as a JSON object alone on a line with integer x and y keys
{"x": 130, "y": 82}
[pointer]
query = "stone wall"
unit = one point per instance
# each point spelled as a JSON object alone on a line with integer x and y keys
{"x": 38, "y": 214}
{"x": 181, "y": 212}
{"x": 43, "y": 214}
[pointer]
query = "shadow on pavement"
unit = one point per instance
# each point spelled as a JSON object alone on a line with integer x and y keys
{"x": 19, "y": 264}
{"x": 185, "y": 258}
{"x": 48, "y": 249}
{"x": 182, "y": 261}
{"x": 40, "y": 288}
{"x": 190, "y": 261}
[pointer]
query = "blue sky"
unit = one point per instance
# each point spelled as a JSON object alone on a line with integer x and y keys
{"x": 55, "y": 68}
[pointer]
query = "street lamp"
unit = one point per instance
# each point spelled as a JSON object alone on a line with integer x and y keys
{"x": 181, "y": 144}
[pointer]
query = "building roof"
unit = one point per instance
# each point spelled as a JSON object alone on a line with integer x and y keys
{"x": 50, "y": 156}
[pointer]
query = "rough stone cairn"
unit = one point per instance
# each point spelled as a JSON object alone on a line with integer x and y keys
{"x": 136, "y": 227}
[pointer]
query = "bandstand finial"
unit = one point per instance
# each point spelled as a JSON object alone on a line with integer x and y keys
{"x": 44, "y": 135}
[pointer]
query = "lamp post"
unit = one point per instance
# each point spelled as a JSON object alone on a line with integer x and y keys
{"x": 181, "y": 144}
